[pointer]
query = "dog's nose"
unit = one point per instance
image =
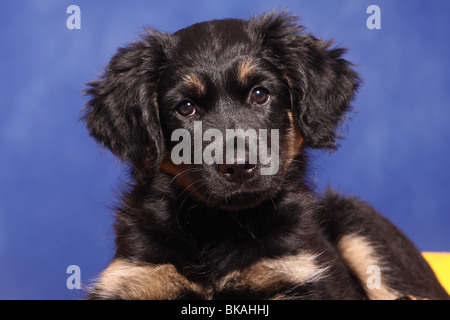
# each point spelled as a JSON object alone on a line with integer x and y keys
{"x": 238, "y": 173}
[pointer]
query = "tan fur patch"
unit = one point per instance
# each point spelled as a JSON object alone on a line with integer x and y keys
{"x": 142, "y": 282}
{"x": 180, "y": 174}
{"x": 294, "y": 136}
{"x": 267, "y": 273}
{"x": 126, "y": 280}
{"x": 194, "y": 82}
{"x": 176, "y": 170}
{"x": 292, "y": 143}
{"x": 359, "y": 254}
{"x": 245, "y": 71}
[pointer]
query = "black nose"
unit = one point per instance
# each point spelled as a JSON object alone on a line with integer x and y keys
{"x": 238, "y": 173}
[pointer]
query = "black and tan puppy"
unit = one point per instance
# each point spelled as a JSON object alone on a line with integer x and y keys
{"x": 190, "y": 227}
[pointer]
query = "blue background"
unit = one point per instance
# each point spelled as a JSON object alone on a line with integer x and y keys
{"x": 56, "y": 187}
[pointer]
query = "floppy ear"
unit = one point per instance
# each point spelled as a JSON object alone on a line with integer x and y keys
{"x": 123, "y": 112}
{"x": 321, "y": 82}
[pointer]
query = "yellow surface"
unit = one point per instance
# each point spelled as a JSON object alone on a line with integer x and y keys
{"x": 440, "y": 263}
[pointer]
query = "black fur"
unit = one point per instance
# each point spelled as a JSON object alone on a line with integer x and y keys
{"x": 209, "y": 228}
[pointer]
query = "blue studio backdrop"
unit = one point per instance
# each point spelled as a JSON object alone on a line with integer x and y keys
{"x": 57, "y": 188}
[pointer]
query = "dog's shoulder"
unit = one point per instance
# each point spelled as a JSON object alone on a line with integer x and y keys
{"x": 386, "y": 262}
{"x": 348, "y": 214}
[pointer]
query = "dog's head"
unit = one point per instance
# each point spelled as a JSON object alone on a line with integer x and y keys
{"x": 223, "y": 106}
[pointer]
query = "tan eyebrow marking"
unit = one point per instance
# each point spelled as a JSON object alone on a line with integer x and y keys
{"x": 245, "y": 70}
{"x": 194, "y": 82}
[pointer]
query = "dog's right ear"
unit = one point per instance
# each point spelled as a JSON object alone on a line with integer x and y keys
{"x": 123, "y": 113}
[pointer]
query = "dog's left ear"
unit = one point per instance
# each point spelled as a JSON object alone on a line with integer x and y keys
{"x": 321, "y": 82}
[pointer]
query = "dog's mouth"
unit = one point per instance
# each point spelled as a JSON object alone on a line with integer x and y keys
{"x": 238, "y": 199}
{"x": 232, "y": 174}
{"x": 232, "y": 187}
{"x": 244, "y": 200}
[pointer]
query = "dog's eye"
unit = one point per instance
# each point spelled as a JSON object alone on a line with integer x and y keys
{"x": 186, "y": 109}
{"x": 259, "y": 96}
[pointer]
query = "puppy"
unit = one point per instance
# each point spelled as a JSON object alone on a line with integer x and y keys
{"x": 205, "y": 217}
